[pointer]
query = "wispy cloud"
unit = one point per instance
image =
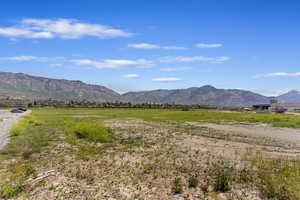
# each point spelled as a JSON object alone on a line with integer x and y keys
{"x": 175, "y": 69}
{"x": 24, "y": 32}
{"x": 171, "y": 59}
{"x": 56, "y": 65}
{"x": 144, "y": 46}
{"x": 167, "y": 79}
{"x": 220, "y": 59}
{"x": 25, "y": 58}
{"x": 60, "y": 28}
{"x": 114, "y": 64}
{"x": 155, "y": 46}
{"x": 206, "y": 46}
{"x": 277, "y": 74}
{"x": 130, "y": 76}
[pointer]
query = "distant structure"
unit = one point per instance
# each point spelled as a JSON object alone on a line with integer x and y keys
{"x": 277, "y": 106}
{"x": 286, "y": 106}
{"x": 261, "y": 107}
{"x": 266, "y": 107}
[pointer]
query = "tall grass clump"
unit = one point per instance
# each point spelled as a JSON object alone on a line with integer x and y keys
{"x": 177, "y": 187}
{"x": 94, "y": 132}
{"x": 29, "y": 135}
{"x": 17, "y": 129}
{"x": 278, "y": 178}
{"x": 221, "y": 175}
{"x": 14, "y": 183}
{"x": 21, "y": 127}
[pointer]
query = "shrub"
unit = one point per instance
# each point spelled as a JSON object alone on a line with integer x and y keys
{"x": 221, "y": 175}
{"x": 23, "y": 125}
{"x": 30, "y": 119}
{"x": 278, "y": 178}
{"x": 245, "y": 175}
{"x": 177, "y": 186}
{"x": 193, "y": 182}
{"x": 93, "y": 132}
{"x": 29, "y": 136}
{"x": 17, "y": 129}
{"x": 9, "y": 190}
{"x": 26, "y": 154}
{"x": 15, "y": 183}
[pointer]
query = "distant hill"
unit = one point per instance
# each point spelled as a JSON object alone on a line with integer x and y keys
{"x": 206, "y": 95}
{"x": 23, "y": 85}
{"x": 292, "y": 96}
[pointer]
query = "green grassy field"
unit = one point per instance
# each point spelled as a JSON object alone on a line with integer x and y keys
{"x": 277, "y": 120}
{"x": 85, "y": 145}
{"x": 52, "y": 122}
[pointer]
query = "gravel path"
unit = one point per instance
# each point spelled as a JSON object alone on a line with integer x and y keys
{"x": 287, "y": 135}
{"x": 6, "y": 120}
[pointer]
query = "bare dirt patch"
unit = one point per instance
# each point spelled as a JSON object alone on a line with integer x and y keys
{"x": 284, "y": 135}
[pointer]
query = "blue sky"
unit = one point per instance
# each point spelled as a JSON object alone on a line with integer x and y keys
{"x": 137, "y": 45}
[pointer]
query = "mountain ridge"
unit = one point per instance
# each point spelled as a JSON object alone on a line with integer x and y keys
{"x": 20, "y": 84}
{"x": 206, "y": 95}
{"x": 28, "y": 86}
{"x": 293, "y": 96}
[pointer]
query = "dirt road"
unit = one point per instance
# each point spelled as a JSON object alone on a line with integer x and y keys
{"x": 6, "y": 120}
{"x": 287, "y": 135}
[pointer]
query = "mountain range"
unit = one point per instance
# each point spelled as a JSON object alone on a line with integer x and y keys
{"x": 206, "y": 95}
{"x": 23, "y": 85}
{"x": 26, "y": 86}
{"x": 292, "y": 96}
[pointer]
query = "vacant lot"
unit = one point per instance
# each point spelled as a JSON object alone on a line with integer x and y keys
{"x": 150, "y": 154}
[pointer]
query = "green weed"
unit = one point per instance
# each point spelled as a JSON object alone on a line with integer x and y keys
{"x": 193, "y": 182}
{"x": 177, "y": 187}
{"x": 222, "y": 175}
{"x": 278, "y": 178}
{"x": 93, "y": 132}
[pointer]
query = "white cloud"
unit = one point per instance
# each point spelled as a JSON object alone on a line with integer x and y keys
{"x": 144, "y": 46}
{"x": 19, "y": 58}
{"x": 114, "y": 64}
{"x": 277, "y": 74}
{"x": 61, "y": 28}
{"x": 154, "y": 46}
{"x": 175, "y": 69}
{"x": 167, "y": 79}
{"x": 130, "y": 76}
{"x": 174, "y": 48}
{"x": 171, "y": 59}
{"x": 56, "y": 65}
{"x": 24, "y": 32}
{"x": 221, "y": 59}
{"x": 25, "y": 58}
{"x": 202, "y": 45}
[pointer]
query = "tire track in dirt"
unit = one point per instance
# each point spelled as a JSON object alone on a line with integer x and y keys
{"x": 286, "y": 135}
